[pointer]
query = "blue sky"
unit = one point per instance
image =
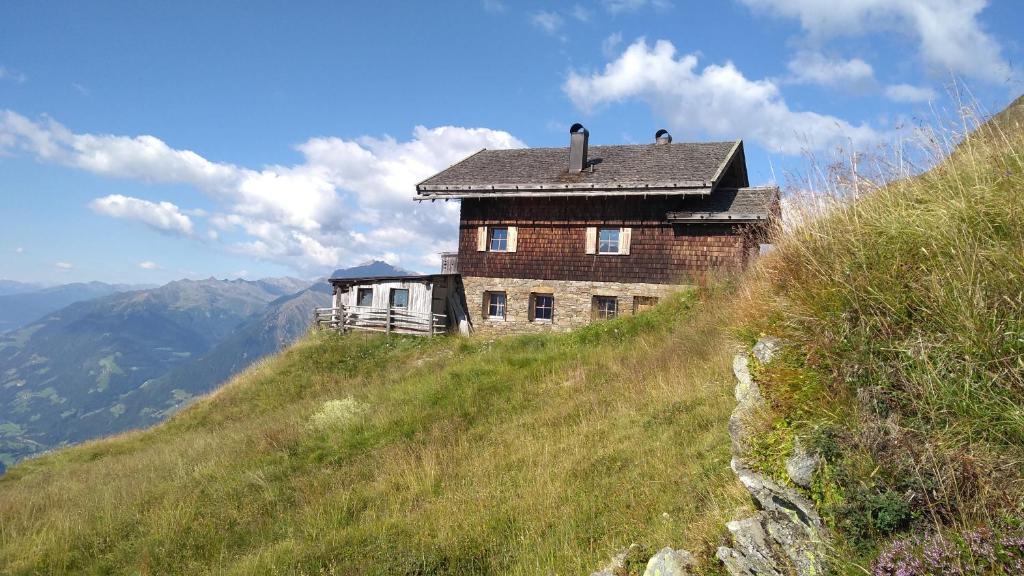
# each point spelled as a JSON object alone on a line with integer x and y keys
{"x": 148, "y": 142}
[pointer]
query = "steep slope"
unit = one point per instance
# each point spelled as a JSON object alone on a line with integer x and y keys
{"x": 903, "y": 365}
{"x": 374, "y": 455}
{"x": 283, "y": 322}
{"x": 25, "y": 305}
{"x": 61, "y": 377}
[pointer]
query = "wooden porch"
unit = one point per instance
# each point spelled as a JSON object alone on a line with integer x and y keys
{"x": 386, "y": 320}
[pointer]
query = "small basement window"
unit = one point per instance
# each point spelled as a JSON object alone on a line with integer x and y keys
{"x": 399, "y": 298}
{"x": 543, "y": 307}
{"x": 364, "y": 297}
{"x": 641, "y": 303}
{"x": 496, "y": 305}
{"x": 499, "y": 240}
{"x": 608, "y": 240}
{"x": 606, "y": 307}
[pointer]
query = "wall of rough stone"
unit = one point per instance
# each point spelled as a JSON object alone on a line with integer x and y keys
{"x": 573, "y": 301}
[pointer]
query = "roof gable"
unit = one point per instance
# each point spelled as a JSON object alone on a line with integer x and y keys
{"x": 688, "y": 168}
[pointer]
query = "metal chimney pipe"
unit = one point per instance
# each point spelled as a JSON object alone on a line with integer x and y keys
{"x": 578, "y": 137}
{"x": 663, "y": 137}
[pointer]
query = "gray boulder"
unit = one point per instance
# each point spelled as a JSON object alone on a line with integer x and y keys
{"x": 669, "y": 562}
{"x": 766, "y": 349}
{"x": 801, "y": 465}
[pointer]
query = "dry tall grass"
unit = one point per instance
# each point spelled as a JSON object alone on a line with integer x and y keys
{"x": 541, "y": 454}
{"x": 902, "y": 297}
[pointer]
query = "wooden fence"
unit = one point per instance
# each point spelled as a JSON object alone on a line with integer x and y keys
{"x": 387, "y": 320}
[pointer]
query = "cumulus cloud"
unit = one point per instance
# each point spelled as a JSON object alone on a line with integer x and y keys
{"x": 909, "y": 93}
{"x": 19, "y": 250}
{"x": 948, "y": 32}
{"x": 816, "y": 68}
{"x": 717, "y": 100}
{"x": 160, "y": 216}
{"x": 148, "y": 265}
{"x": 328, "y": 210}
{"x": 64, "y": 265}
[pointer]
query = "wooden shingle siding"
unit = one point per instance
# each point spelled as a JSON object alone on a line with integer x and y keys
{"x": 552, "y": 236}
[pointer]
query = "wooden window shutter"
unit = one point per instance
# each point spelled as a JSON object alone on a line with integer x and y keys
{"x": 591, "y": 239}
{"x": 513, "y": 239}
{"x": 625, "y": 239}
{"x": 481, "y": 238}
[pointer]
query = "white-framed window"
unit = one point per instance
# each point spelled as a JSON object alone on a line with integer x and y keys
{"x": 498, "y": 241}
{"x": 496, "y": 305}
{"x": 608, "y": 240}
{"x": 543, "y": 307}
{"x": 399, "y": 298}
{"x": 606, "y": 307}
{"x": 364, "y": 297}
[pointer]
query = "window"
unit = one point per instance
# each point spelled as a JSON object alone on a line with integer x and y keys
{"x": 605, "y": 307}
{"x": 641, "y": 303}
{"x": 608, "y": 240}
{"x": 499, "y": 240}
{"x": 364, "y": 297}
{"x": 543, "y": 307}
{"x": 399, "y": 298}
{"x": 496, "y": 305}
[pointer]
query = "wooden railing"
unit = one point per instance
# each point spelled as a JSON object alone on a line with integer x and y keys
{"x": 387, "y": 320}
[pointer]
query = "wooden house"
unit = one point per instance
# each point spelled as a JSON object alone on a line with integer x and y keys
{"x": 553, "y": 238}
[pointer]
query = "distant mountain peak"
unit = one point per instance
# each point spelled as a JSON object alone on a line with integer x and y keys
{"x": 372, "y": 268}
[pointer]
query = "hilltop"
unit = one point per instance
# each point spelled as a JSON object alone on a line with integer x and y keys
{"x": 901, "y": 368}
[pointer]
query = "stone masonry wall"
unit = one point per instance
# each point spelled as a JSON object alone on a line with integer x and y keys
{"x": 573, "y": 301}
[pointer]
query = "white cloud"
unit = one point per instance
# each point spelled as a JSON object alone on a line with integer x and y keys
{"x": 948, "y": 33}
{"x": 549, "y": 22}
{"x": 160, "y": 216}
{"x": 494, "y": 6}
{"x": 19, "y": 250}
{"x": 580, "y": 13}
{"x": 909, "y": 93}
{"x": 609, "y": 44}
{"x": 621, "y": 6}
{"x": 12, "y": 75}
{"x": 322, "y": 212}
{"x": 718, "y": 101}
{"x": 816, "y": 68}
{"x": 64, "y": 265}
{"x": 148, "y": 265}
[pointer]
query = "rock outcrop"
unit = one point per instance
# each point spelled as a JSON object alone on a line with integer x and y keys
{"x": 786, "y": 535}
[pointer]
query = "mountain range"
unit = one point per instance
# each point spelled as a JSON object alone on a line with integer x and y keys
{"x": 117, "y": 360}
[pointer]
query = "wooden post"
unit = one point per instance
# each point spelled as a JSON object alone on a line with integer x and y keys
{"x": 430, "y": 318}
{"x": 388, "y": 328}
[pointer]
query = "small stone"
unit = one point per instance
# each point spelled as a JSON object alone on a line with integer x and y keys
{"x": 766, "y": 349}
{"x": 669, "y": 562}
{"x": 802, "y": 465}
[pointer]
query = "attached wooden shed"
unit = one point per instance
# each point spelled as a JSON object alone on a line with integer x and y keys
{"x": 423, "y": 305}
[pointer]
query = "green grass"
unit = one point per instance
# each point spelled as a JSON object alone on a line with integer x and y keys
{"x": 526, "y": 455}
{"x": 904, "y": 313}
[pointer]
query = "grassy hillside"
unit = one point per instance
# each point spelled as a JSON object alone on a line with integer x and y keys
{"x": 904, "y": 313}
{"x": 370, "y": 455}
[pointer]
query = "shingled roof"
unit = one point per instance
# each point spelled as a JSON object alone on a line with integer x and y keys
{"x": 679, "y": 168}
{"x": 753, "y": 204}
